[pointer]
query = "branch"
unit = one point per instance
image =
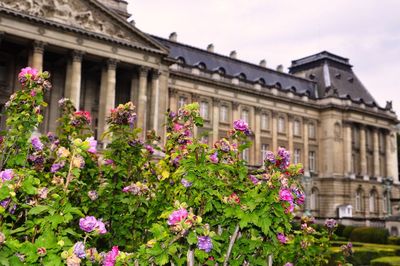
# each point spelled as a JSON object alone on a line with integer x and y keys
{"x": 190, "y": 257}
{"x": 231, "y": 243}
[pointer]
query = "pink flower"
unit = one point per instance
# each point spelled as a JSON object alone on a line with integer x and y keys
{"x": 27, "y": 73}
{"x": 90, "y": 224}
{"x": 33, "y": 93}
{"x": 282, "y": 238}
{"x": 214, "y": 157}
{"x": 178, "y": 127}
{"x": 177, "y": 216}
{"x": 111, "y": 257}
{"x": 240, "y": 125}
{"x": 6, "y": 175}
{"x": 92, "y": 144}
{"x": 286, "y": 195}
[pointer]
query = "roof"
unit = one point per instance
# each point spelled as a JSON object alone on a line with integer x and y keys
{"x": 320, "y": 56}
{"x": 213, "y": 62}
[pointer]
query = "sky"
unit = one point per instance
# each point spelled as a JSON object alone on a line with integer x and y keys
{"x": 365, "y": 31}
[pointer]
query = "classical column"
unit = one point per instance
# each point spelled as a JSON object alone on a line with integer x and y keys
{"x": 391, "y": 157}
{"x": 257, "y": 136}
{"x": 235, "y": 109}
{"x": 274, "y": 131}
{"x": 347, "y": 149}
{"x": 290, "y": 136}
{"x": 107, "y": 94}
{"x": 142, "y": 103}
{"x": 173, "y": 105}
{"x": 155, "y": 99}
{"x": 305, "y": 147}
{"x": 363, "y": 152}
{"x": 376, "y": 153}
{"x": 73, "y": 81}
{"x": 37, "y": 55}
{"x": 215, "y": 119}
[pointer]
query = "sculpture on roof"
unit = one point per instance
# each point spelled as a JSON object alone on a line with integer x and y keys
{"x": 389, "y": 105}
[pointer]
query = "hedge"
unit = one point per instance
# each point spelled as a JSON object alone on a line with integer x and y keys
{"x": 370, "y": 235}
{"x": 347, "y": 231}
{"x": 394, "y": 240}
{"x": 386, "y": 261}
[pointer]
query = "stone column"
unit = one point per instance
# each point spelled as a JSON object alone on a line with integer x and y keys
{"x": 305, "y": 147}
{"x": 290, "y": 136}
{"x": 155, "y": 100}
{"x": 37, "y": 55}
{"x": 391, "y": 157}
{"x": 376, "y": 153}
{"x": 347, "y": 149}
{"x": 274, "y": 131}
{"x": 257, "y": 136}
{"x": 73, "y": 82}
{"x": 142, "y": 103}
{"x": 215, "y": 119}
{"x": 363, "y": 153}
{"x": 107, "y": 94}
{"x": 235, "y": 110}
{"x": 173, "y": 105}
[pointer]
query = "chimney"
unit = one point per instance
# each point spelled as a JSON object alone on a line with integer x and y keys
{"x": 279, "y": 68}
{"x": 173, "y": 37}
{"x": 263, "y": 63}
{"x": 233, "y": 54}
{"x": 210, "y": 48}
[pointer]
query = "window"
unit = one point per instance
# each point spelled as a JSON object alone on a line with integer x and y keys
{"x": 245, "y": 115}
{"x": 311, "y": 131}
{"x": 264, "y": 122}
{"x": 296, "y": 157}
{"x": 359, "y": 200}
{"x": 223, "y": 114}
{"x": 296, "y": 128}
{"x": 264, "y": 149}
{"x": 204, "y": 109}
{"x": 245, "y": 155}
{"x": 281, "y": 124}
{"x": 311, "y": 161}
{"x": 372, "y": 201}
{"x": 314, "y": 199}
{"x": 385, "y": 202}
{"x": 181, "y": 101}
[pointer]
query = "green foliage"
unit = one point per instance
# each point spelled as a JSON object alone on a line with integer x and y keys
{"x": 386, "y": 261}
{"x": 394, "y": 240}
{"x": 347, "y": 231}
{"x": 158, "y": 203}
{"x": 370, "y": 235}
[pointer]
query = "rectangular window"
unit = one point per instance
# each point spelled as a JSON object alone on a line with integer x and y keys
{"x": 296, "y": 128}
{"x": 311, "y": 131}
{"x": 281, "y": 125}
{"x": 204, "y": 109}
{"x": 311, "y": 161}
{"x": 296, "y": 157}
{"x": 223, "y": 114}
{"x": 264, "y": 149}
{"x": 245, "y": 116}
{"x": 264, "y": 122}
{"x": 245, "y": 155}
{"x": 181, "y": 101}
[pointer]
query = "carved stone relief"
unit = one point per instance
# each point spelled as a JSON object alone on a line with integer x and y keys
{"x": 70, "y": 12}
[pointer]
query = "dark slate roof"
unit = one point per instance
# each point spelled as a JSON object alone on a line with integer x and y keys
{"x": 234, "y": 67}
{"x": 334, "y": 76}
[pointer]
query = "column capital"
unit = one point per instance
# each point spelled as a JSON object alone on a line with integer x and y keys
{"x": 112, "y": 63}
{"x": 235, "y": 105}
{"x": 143, "y": 71}
{"x": 38, "y": 47}
{"x": 274, "y": 114}
{"x": 77, "y": 56}
{"x": 172, "y": 91}
{"x": 290, "y": 117}
{"x": 258, "y": 110}
{"x": 347, "y": 123}
{"x": 156, "y": 73}
{"x": 195, "y": 97}
{"x": 216, "y": 100}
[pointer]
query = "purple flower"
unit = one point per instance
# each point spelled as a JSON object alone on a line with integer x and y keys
{"x": 288, "y": 264}
{"x": 330, "y": 223}
{"x": 79, "y": 250}
{"x": 282, "y": 238}
{"x": 108, "y": 161}
{"x": 254, "y": 179}
{"x": 241, "y": 125}
{"x": 300, "y": 200}
{"x": 214, "y": 157}
{"x": 88, "y": 224}
{"x": 286, "y": 195}
{"x": 270, "y": 157}
{"x": 149, "y": 149}
{"x": 93, "y": 195}
{"x": 101, "y": 227}
{"x": 92, "y": 144}
{"x": 37, "y": 144}
{"x": 177, "y": 216}
{"x": 4, "y": 203}
{"x": 6, "y": 175}
{"x": 111, "y": 257}
{"x": 285, "y": 158}
{"x": 56, "y": 167}
{"x": 186, "y": 183}
{"x": 204, "y": 243}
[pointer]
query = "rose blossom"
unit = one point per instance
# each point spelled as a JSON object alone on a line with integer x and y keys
{"x": 88, "y": 224}
{"x": 330, "y": 223}
{"x": 214, "y": 157}
{"x": 6, "y": 175}
{"x": 286, "y": 195}
{"x": 240, "y": 125}
{"x": 37, "y": 144}
{"x": 282, "y": 238}
{"x": 79, "y": 250}
{"x": 177, "y": 216}
{"x": 204, "y": 243}
{"x": 111, "y": 257}
{"x": 92, "y": 144}
{"x": 32, "y": 72}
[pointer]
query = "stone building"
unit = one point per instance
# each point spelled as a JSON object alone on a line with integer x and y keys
{"x": 320, "y": 110}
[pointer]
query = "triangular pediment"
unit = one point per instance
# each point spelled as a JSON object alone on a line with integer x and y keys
{"x": 87, "y": 15}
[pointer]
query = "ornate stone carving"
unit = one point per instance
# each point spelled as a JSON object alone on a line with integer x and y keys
{"x": 389, "y": 105}
{"x": 172, "y": 91}
{"x": 77, "y": 55}
{"x": 74, "y": 13}
{"x": 235, "y": 105}
{"x": 258, "y": 109}
{"x": 112, "y": 63}
{"x": 38, "y": 47}
{"x": 143, "y": 71}
{"x": 216, "y": 100}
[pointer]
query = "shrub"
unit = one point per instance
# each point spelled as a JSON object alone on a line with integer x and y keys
{"x": 386, "y": 261}
{"x": 339, "y": 230}
{"x": 347, "y": 231}
{"x": 370, "y": 235}
{"x": 394, "y": 240}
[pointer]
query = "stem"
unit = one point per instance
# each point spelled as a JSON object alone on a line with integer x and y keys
{"x": 84, "y": 240}
{"x": 231, "y": 243}
{"x": 190, "y": 257}
{"x": 69, "y": 172}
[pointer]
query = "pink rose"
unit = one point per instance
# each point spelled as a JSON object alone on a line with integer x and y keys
{"x": 286, "y": 195}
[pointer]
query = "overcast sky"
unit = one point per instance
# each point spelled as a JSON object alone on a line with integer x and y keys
{"x": 365, "y": 31}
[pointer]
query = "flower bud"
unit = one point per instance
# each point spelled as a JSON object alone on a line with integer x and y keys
{"x": 42, "y": 251}
{"x": 2, "y": 238}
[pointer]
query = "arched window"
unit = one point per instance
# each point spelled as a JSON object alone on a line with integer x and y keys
{"x": 242, "y": 76}
{"x": 314, "y": 201}
{"x": 359, "y": 200}
{"x": 221, "y": 71}
{"x": 201, "y": 65}
{"x": 372, "y": 201}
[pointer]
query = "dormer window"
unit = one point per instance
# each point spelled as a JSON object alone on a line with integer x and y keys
{"x": 242, "y": 76}
{"x": 221, "y": 71}
{"x": 201, "y": 66}
{"x": 181, "y": 61}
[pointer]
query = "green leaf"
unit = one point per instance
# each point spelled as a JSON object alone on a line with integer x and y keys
{"x": 38, "y": 209}
{"x": 4, "y": 261}
{"x": 162, "y": 259}
{"x": 28, "y": 185}
{"x": 192, "y": 238}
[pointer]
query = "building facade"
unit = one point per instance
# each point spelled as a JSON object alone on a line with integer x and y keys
{"x": 320, "y": 111}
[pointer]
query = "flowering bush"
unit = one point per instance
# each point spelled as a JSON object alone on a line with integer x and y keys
{"x": 138, "y": 202}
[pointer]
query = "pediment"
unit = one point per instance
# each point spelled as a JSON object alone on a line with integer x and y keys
{"x": 88, "y": 15}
